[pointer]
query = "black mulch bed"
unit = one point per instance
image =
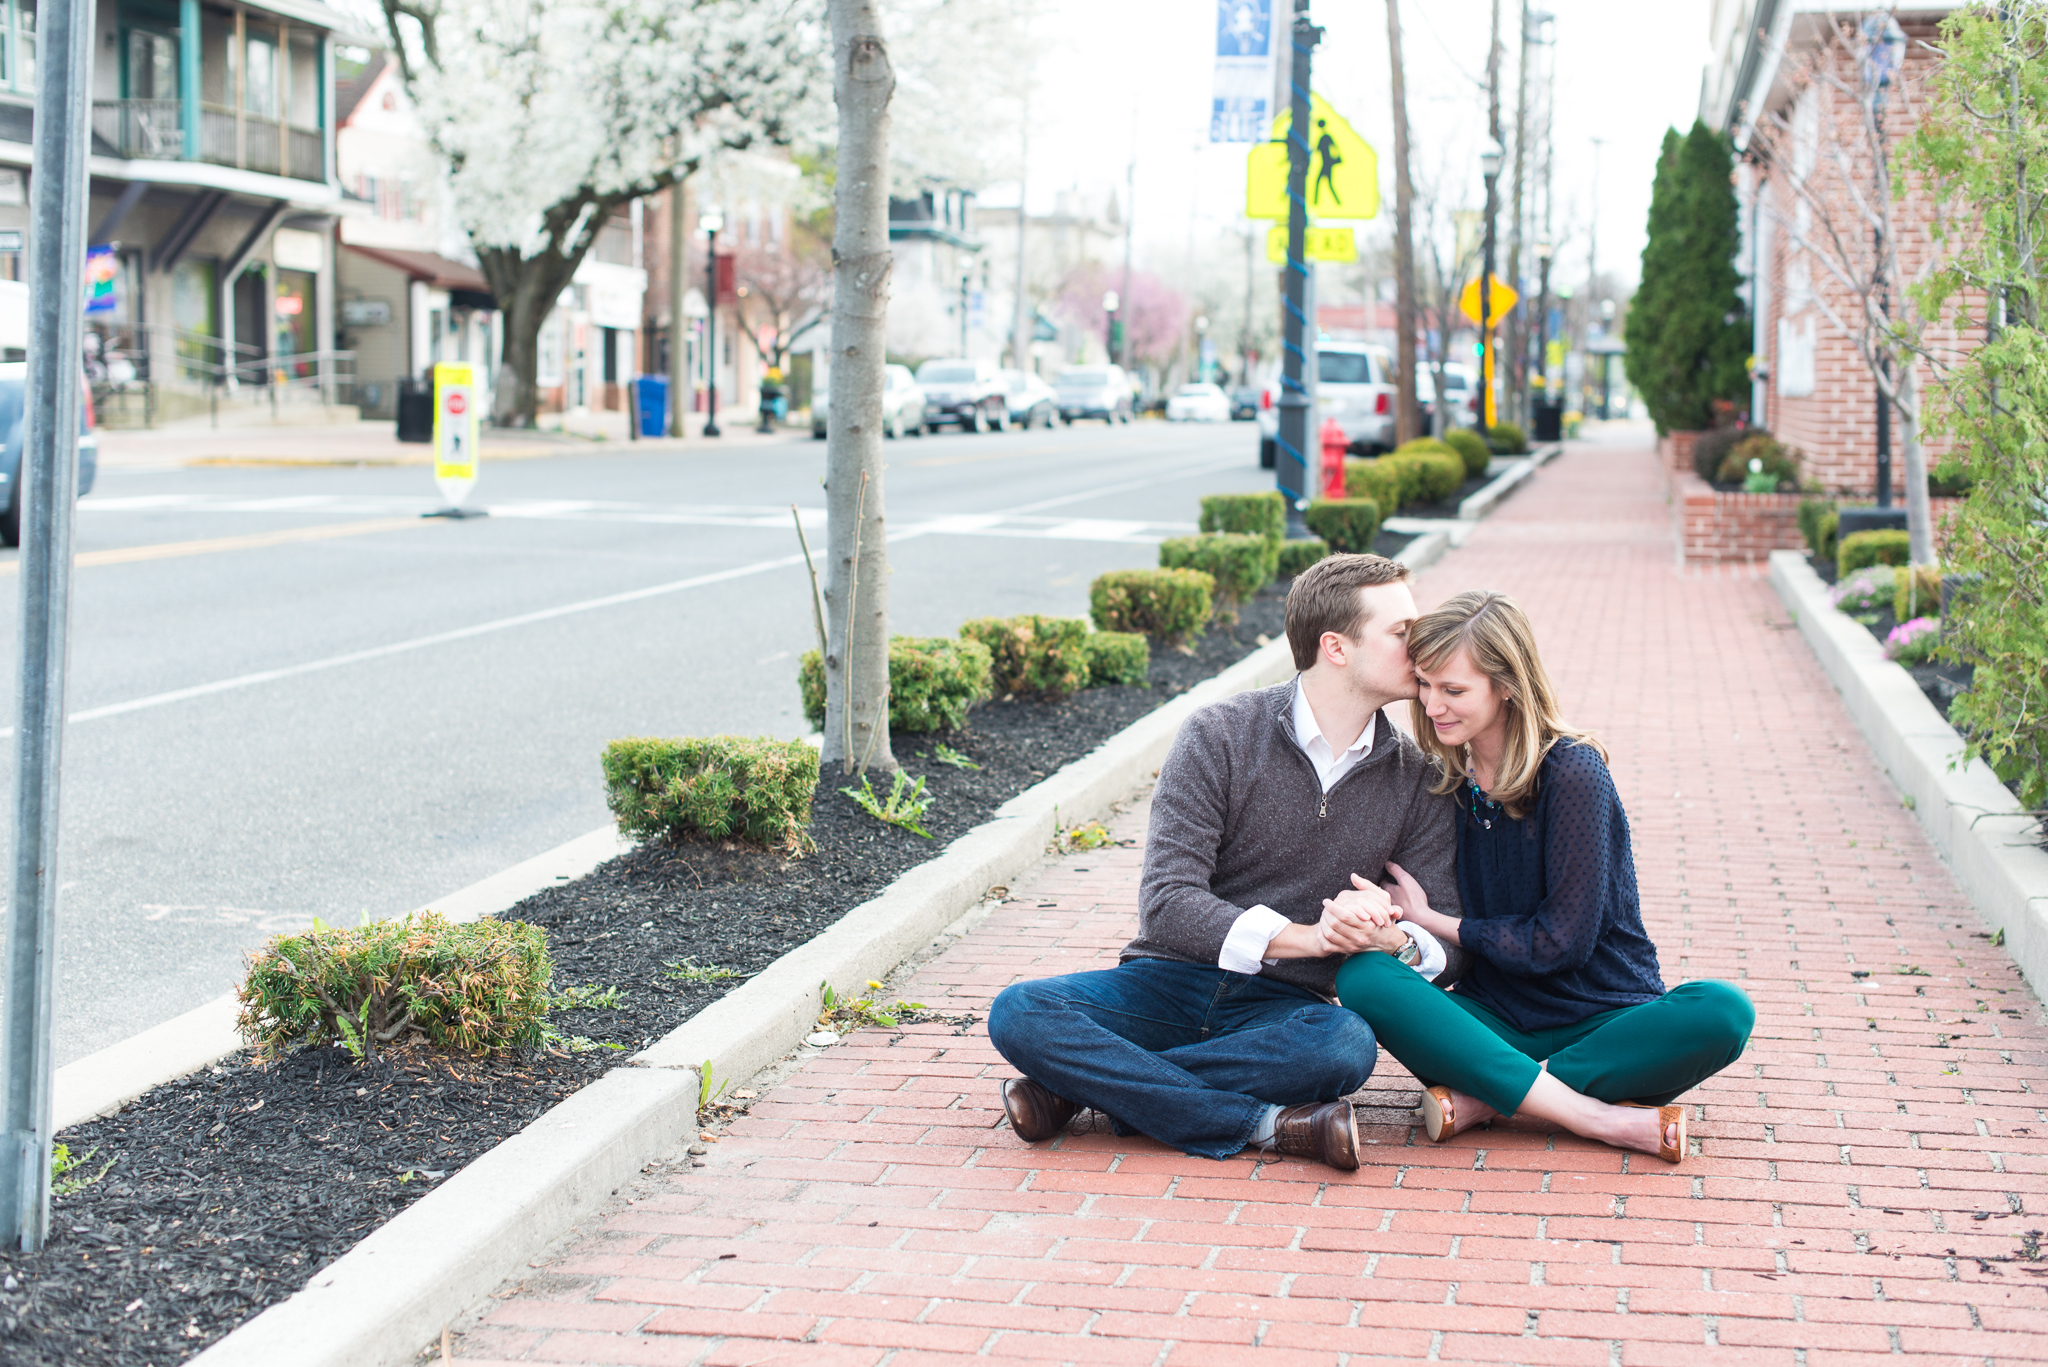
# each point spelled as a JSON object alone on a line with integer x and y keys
{"x": 228, "y": 1189}
{"x": 1449, "y": 507}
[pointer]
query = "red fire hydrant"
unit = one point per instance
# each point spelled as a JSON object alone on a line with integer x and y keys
{"x": 1334, "y": 445}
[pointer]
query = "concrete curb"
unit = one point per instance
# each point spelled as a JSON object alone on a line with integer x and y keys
{"x": 377, "y": 1304}
{"x": 1973, "y": 820}
{"x": 1483, "y": 501}
{"x": 102, "y": 1083}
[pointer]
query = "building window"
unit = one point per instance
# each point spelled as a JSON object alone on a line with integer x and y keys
{"x": 18, "y": 45}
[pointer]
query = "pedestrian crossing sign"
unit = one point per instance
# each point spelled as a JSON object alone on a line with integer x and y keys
{"x": 1343, "y": 171}
{"x": 1319, "y": 244}
{"x": 455, "y": 430}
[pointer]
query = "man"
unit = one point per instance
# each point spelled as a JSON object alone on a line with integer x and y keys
{"x": 1216, "y": 1030}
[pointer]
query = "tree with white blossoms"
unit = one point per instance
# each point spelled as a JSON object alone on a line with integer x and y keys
{"x": 553, "y": 114}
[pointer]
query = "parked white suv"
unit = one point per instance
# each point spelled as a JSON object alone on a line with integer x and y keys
{"x": 1355, "y": 386}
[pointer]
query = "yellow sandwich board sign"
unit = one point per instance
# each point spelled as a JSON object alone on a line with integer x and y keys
{"x": 1343, "y": 171}
{"x": 455, "y": 431}
{"x": 1321, "y": 244}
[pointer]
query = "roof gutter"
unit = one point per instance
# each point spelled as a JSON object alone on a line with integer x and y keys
{"x": 1759, "y": 69}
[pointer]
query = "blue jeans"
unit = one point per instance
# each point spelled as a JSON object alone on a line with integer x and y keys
{"x": 1188, "y": 1054}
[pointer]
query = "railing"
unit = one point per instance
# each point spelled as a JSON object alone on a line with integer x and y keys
{"x": 140, "y": 128}
{"x": 308, "y": 148}
{"x": 255, "y": 143}
{"x": 217, "y": 136}
{"x": 119, "y": 368}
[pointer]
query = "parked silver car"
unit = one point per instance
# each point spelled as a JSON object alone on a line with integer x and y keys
{"x": 1094, "y": 391}
{"x": 967, "y": 392}
{"x": 1033, "y": 402}
{"x": 902, "y": 404}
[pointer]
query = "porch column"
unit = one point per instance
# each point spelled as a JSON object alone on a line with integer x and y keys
{"x": 188, "y": 75}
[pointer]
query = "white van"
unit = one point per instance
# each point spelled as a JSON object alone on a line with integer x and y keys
{"x": 1355, "y": 386}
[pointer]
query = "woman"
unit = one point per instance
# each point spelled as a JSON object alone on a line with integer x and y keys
{"x": 1561, "y": 969}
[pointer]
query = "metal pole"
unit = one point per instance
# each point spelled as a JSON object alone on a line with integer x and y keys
{"x": 1884, "y": 365}
{"x": 49, "y": 473}
{"x": 1291, "y": 464}
{"x": 1488, "y": 416}
{"x": 711, "y": 333}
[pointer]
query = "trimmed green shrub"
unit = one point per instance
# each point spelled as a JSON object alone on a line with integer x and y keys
{"x": 1296, "y": 556}
{"x": 1241, "y": 565}
{"x": 1775, "y": 461}
{"x": 1507, "y": 439}
{"x": 1252, "y": 514}
{"x": 1885, "y": 547}
{"x": 1173, "y": 605}
{"x": 933, "y": 682}
{"x": 1813, "y": 515}
{"x": 1711, "y": 447}
{"x": 479, "y": 987}
{"x": 1429, "y": 476}
{"x": 1417, "y": 444}
{"x": 1376, "y": 480}
{"x": 1034, "y": 656}
{"x": 1347, "y": 524}
{"x": 1916, "y": 592}
{"x": 1117, "y": 657}
{"x": 746, "y": 787}
{"x": 1472, "y": 448}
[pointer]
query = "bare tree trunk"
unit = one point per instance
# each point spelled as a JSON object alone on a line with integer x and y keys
{"x": 1919, "y": 510}
{"x": 679, "y": 395}
{"x": 1517, "y": 320}
{"x": 1408, "y": 415}
{"x": 857, "y": 655}
{"x": 1022, "y": 323}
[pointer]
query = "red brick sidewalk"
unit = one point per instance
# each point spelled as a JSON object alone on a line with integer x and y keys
{"x": 1862, "y": 1180}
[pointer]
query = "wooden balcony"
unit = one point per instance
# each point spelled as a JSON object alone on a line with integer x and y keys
{"x": 154, "y": 129}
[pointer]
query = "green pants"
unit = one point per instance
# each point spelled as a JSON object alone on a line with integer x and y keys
{"x": 1649, "y": 1053}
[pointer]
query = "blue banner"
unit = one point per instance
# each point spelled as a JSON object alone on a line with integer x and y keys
{"x": 1241, "y": 101}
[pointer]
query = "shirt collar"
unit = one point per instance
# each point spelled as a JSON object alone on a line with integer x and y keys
{"x": 1306, "y": 730}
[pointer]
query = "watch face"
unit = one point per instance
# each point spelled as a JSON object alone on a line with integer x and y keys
{"x": 1410, "y": 954}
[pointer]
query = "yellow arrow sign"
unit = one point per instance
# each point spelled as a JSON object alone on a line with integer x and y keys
{"x": 1343, "y": 172}
{"x": 1502, "y": 298}
{"x": 1322, "y": 244}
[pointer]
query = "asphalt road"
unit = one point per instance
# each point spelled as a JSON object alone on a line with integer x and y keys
{"x": 333, "y": 707}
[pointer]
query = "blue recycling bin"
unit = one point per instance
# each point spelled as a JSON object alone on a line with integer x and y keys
{"x": 650, "y": 405}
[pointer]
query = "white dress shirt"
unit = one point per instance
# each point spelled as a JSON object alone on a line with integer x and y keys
{"x": 1244, "y": 948}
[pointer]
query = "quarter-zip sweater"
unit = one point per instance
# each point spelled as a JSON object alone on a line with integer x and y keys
{"x": 1239, "y": 818}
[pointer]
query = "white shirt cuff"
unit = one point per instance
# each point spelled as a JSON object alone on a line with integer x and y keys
{"x": 1434, "y": 956}
{"x": 1244, "y": 948}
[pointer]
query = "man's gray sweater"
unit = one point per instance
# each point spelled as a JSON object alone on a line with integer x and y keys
{"x": 1239, "y": 818}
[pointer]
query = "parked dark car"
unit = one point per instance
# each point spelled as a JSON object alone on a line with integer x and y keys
{"x": 13, "y": 399}
{"x": 969, "y": 393}
{"x": 1244, "y": 403}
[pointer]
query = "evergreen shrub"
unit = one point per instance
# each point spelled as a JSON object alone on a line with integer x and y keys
{"x": 1472, "y": 448}
{"x": 1376, "y": 480}
{"x": 1428, "y": 476}
{"x": 1711, "y": 448}
{"x": 751, "y": 788}
{"x": 1263, "y": 514}
{"x": 479, "y": 987}
{"x": 1241, "y": 565}
{"x": 1779, "y": 462}
{"x": 1916, "y": 592}
{"x": 1883, "y": 547}
{"x": 1347, "y": 524}
{"x": 1818, "y": 522}
{"x": 1032, "y": 655}
{"x": 1296, "y": 556}
{"x": 1173, "y": 605}
{"x": 1507, "y": 439}
{"x": 1117, "y": 657}
{"x": 933, "y": 682}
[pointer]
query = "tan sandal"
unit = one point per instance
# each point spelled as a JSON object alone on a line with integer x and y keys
{"x": 1667, "y": 1116}
{"x": 1440, "y": 1118}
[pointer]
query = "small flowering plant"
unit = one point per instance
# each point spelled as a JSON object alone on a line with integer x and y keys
{"x": 1866, "y": 590}
{"x": 1913, "y": 643}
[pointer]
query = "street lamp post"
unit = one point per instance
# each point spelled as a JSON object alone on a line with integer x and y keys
{"x": 1201, "y": 342}
{"x": 1297, "y": 330}
{"x": 711, "y": 220}
{"x": 1540, "y": 378}
{"x": 1489, "y": 166}
{"x": 1112, "y": 339}
{"x": 963, "y": 312}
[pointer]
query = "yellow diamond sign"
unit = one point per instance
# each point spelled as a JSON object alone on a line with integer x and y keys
{"x": 1343, "y": 171}
{"x": 1321, "y": 244}
{"x": 1501, "y": 297}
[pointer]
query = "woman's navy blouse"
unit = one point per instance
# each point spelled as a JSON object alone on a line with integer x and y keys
{"x": 1551, "y": 913}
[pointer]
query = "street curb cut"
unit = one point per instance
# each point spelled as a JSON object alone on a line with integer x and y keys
{"x": 1973, "y": 820}
{"x": 103, "y": 1082}
{"x": 1483, "y": 501}
{"x": 376, "y": 1306}
{"x": 392, "y": 1292}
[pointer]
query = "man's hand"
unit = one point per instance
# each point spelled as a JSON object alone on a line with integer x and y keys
{"x": 1338, "y": 932}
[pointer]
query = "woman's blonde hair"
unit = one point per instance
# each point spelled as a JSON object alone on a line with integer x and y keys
{"x": 1494, "y": 632}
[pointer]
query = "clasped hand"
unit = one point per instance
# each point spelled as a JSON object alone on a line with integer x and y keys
{"x": 1358, "y": 919}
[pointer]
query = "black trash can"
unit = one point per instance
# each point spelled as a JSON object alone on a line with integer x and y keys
{"x": 1549, "y": 422}
{"x": 415, "y": 411}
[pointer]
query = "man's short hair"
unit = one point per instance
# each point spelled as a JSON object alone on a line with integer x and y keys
{"x": 1325, "y": 598}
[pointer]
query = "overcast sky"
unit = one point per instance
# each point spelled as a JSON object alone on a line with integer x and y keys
{"x": 1625, "y": 71}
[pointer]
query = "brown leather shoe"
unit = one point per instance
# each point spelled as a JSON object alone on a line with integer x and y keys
{"x": 1324, "y": 1132}
{"x": 1035, "y": 1113}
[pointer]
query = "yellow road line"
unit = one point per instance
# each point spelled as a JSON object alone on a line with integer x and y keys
{"x": 172, "y": 550}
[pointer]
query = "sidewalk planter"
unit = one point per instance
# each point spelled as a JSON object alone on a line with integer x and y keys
{"x": 1674, "y": 449}
{"x": 1723, "y": 526}
{"x": 1990, "y": 847}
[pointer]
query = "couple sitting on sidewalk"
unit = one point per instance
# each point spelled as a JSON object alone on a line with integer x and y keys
{"x": 1470, "y": 902}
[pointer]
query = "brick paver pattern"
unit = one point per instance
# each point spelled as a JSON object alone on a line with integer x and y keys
{"x": 1865, "y": 1181}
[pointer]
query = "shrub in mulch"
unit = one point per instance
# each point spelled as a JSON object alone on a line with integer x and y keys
{"x": 1472, "y": 449}
{"x": 1262, "y": 514}
{"x": 1117, "y": 657}
{"x": 1240, "y": 563}
{"x": 1033, "y": 656}
{"x": 1296, "y": 556}
{"x": 1346, "y": 524}
{"x": 229, "y": 1188}
{"x": 752, "y": 788}
{"x": 933, "y": 682}
{"x": 1173, "y": 605}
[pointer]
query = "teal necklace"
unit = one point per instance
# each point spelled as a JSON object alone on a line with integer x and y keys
{"x": 1480, "y": 805}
